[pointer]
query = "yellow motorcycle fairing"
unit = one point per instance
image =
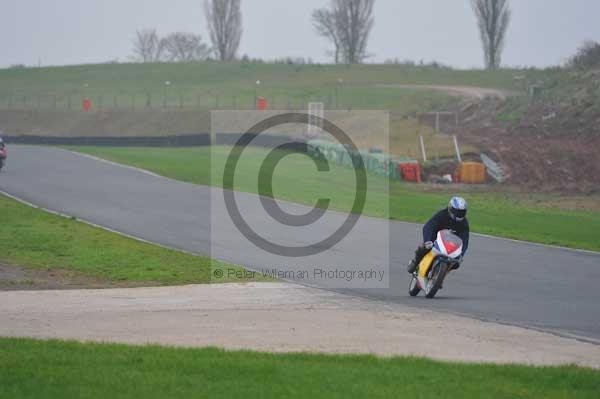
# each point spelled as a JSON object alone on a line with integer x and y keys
{"x": 425, "y": 264}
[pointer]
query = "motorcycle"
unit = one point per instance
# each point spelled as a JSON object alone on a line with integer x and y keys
{"x": 3, "y": 156}
{"x": 444, "y": 256}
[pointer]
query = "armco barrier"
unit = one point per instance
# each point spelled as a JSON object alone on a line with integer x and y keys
{"x": 189, "y": 140}
{"x": 109, "y": 141}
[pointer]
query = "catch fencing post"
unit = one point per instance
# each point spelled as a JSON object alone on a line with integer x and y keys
{"x": 422, "y": 148}
{"x": 457, "y": 149}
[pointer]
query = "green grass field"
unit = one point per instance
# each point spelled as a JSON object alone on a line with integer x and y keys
{"x": 53, "y": 369}
{"x": 296, "y": 179}
{"x": 32, "y": 238}
{"x": 209, "y": 85}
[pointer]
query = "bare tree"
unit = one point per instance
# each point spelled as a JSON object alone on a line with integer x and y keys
{"x": 147, "y": 46}
{"x": 493, "y": 18}
{"x": 185, "y": 47}
{"x": 355, "y": 20}
{"x": 224, "y": 20}
{"x": 325, "y": 23}
{"x": 349, "y": 23}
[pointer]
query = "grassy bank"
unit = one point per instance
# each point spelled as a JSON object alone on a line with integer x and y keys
{"x": 209, "y": 84}
{"x": 296, "y": 179}
{"x": 35, "y": 239}
{"x": 52, "y": 369}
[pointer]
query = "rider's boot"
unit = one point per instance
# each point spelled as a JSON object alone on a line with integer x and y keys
{"x": 420, "y": 253}
{"x": 412, "y": 266}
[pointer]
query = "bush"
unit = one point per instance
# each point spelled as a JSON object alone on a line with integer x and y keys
{"x": 587, "y": 56}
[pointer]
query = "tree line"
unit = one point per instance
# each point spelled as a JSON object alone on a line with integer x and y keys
{"x": 224, "y": 20}
{"x": 346, "y": 24}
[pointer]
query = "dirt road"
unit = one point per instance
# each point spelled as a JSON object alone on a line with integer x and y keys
{"x": 470, "y": 92}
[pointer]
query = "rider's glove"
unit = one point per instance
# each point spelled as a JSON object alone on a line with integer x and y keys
{"x": 428, "y": 245}
{"x": 456, "y": 265}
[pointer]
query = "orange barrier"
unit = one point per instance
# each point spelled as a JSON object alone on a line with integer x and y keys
{"x": 410, "y": 172}
{"x": 471, "y": 172}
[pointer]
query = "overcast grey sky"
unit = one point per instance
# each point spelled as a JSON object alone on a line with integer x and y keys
{"x": 56, "y": 32}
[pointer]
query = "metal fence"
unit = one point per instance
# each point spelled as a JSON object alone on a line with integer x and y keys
{"x": 152, "y": 100}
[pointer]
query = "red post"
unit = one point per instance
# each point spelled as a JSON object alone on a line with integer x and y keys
{"x": 86, "y": 104}
{"x": 262, "y": 103}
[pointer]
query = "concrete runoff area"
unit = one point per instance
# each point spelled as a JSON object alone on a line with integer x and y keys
{"x": 278, "y": 317}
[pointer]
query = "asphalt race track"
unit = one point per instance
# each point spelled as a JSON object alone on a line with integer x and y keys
{"x": 541, "y": 287}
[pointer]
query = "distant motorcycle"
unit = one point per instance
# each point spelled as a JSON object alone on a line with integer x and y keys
{"x": 434, "y": 267}
{"x": 3, "y": 156}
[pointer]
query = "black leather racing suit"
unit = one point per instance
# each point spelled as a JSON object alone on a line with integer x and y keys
{"x": 442, "y": 221}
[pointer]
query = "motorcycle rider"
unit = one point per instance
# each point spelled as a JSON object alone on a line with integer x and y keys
{"x": 454, "y": 218}
{"x": 2, "y": 152}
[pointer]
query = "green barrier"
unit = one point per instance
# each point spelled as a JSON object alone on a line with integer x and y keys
{"x": 376, "y": 163}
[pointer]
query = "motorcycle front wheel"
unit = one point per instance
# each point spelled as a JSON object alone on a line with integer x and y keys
{"x": 436, "y": 280}
{"x": 413, "y": 287}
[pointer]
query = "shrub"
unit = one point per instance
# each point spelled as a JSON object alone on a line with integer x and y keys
{"x": 587, "y": 56}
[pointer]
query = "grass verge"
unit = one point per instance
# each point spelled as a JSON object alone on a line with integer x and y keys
{"x": 295, "y": 179}
{"x": 35, "y": 239}
{"x": 55, "y": 369}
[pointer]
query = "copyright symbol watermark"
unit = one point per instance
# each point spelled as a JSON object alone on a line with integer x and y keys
{"x": 218, "y": 273}
{"x": 265, "y": 184}
{"x": 290, "y": 190}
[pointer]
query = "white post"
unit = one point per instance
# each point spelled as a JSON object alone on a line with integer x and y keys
{"x": 423, "y": 148}
{"x": 457, "y": 149}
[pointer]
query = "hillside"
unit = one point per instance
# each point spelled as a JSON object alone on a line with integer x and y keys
{"x": 135, "y": 99}
{"x": 234, "y": 84}
{"x": 546, "y": 142}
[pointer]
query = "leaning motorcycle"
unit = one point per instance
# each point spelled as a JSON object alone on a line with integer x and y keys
{"x": 434, "y": 267}
{"x": 3, "y": 156}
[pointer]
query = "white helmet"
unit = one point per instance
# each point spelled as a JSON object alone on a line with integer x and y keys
{"x": 457, "y": 208}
